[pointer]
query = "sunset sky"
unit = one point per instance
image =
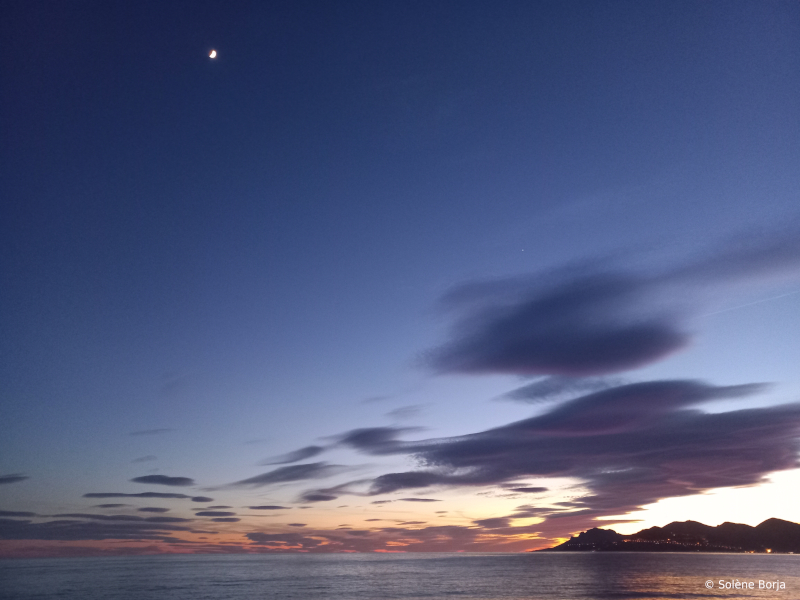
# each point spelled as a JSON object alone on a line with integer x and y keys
{"x": 395, "y": 276}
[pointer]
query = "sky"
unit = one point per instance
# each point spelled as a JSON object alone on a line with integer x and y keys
{"x": 395, "y": 277}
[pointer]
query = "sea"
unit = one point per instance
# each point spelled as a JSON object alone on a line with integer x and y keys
{"x": 562, "y": 576}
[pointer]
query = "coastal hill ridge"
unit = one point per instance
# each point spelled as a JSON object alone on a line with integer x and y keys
{"x": 771, "y": 536}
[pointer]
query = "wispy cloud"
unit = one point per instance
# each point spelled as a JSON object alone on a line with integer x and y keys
{"x": 164, "y": 480}
{"x": 302, "y": 472}
{"x": 404, "y": 413}
{"x": 297, "y": 455}
{"x": 85, "y": 527}
{"x": 142, "y": 459}
{"x": 12, "y": 478}
{"x": 148, "y": 495}
{"x": 559, "y": 387}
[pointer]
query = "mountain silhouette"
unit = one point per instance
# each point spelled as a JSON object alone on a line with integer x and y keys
{"x": 773, "y": 535}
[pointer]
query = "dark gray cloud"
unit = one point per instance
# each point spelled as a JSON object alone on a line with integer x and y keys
{"x": 296, "y": 524}
{"x": 528, "y": 490}
{"x": 164, "y": 480}
{"x": 630, "y": 445}
{"x": 418, "y": 500}
{"x": 316, "y": 470}
{"x": 590, "y": 321}
{"x": 628, "y": 406}
{"x": 139, "y": 495}
{"x": 150, "y": 431}
{"x": 153, "y": 509}
{"x": 226, "y": 519}
{"x": 296, "y": 455}
{"x": 268, "y": 507}
{"x": 12, "y": 478}
{"x": 413, "y": 523}
{"x": 375, "y": 440}
{"x": 80, "y": 529}
{"x": 131, "y": 518}
{"x": 214, "y": 513}
{"x": 14, "y": 513}
{"x": 110, "y": 505}
{"x": 202, "y": 499}
{"x": 318, "y": 497}
{"x": 558, "y": 387}
{"x": 214, "y": 507}
{"x": 587, "y": 325}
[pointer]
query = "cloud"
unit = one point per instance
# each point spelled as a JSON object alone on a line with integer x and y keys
{"x": 626, "y": 407}
{"x": 301, "y": 454}
{"x": 579, "y": 327}
{"x": 628, "y": 444}
{"x": 748, "y": 257}
{"x": 594, "y": 321}
{"x": 142, "y": 459}
{"x": 73, "y": 530}
{"x": 164, "y": 480}
{"x": 296, "y": 524}
{"x": 405, "y": 412}
{"x": 375, "y": 440}
{"x": 495, "y": 523}
{"x": 166, "y": 495}
{"x": 214, "y": 513}
{"x": 150, "y": 431}
{"x": 153, "y": 509}
{"x": 295, "y": 540}
{"x": 631, "y": 445}
{"x": 226, "y": 519}
{"x": 123, "y": 518}
{"x": 408, "y": 539}
{"x": 12, "y": 478}
{"x": 110, "y": 505}
{"x": 139, "y": 495}
{"x": 302, "y": 472}
{"x": 418, "y": 500}
{"x": 317, "y": 497}
{"x": 557, "y": 387}
{"x": 269, "y": 507}
{"x": 13, "y": 513}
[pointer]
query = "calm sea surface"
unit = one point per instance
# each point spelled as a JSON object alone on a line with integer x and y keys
{"x": 388, "y": 577}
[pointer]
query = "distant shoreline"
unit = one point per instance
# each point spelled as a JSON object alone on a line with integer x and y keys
{"x": 773, "y": 536}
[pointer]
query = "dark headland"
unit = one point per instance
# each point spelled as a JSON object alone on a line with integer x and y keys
{"x": 771, "y": 536}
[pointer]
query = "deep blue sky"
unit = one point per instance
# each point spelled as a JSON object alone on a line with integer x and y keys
{"x": 259, "y": 248}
